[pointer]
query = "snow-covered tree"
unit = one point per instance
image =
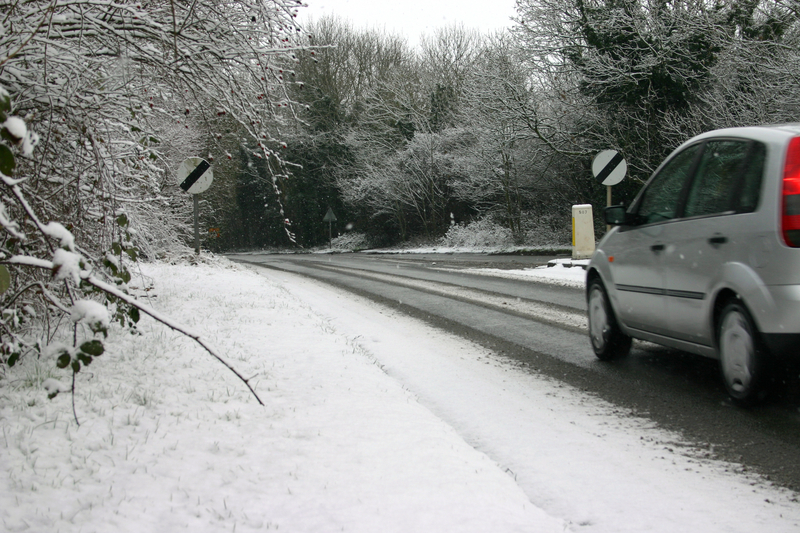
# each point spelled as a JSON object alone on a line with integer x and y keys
{"x": 622, "y": 66}
{"x": 406, "y": 142}
{"x": 347, "y": 66}
{"x": 117, "y": 93}
{"x": 494, "y": 182}
{"x": 756, "y": 79}
{"x": 108, "y": 84}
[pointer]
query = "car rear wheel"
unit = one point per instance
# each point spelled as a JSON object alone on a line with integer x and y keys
{"x": 743, "y": 361}
{"x": 608, "y": 341}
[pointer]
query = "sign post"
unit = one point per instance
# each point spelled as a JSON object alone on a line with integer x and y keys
{"x": 609, "y": 168}
{"x": 330, "y": 218}
{"x": 195, "y": 176}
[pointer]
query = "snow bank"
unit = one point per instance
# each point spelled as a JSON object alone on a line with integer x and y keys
{"x": 565, "y": 272}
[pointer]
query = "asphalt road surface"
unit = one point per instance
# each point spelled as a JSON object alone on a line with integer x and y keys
{"x": 543, "y": 326}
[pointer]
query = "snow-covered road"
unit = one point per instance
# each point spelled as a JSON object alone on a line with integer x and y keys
{"x": 578, "y": 458}
{"x": 373, "y": 422}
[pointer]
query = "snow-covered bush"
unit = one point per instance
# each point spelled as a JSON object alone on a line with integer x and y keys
{"x": 547, "y": 230}
{"x": 120, "y": 93}
{"x": 479, "y": 234}
{"x": 485, "y": 233}
{"x": 116, "y": 92}
{"x": 351, "y": 241}
{"x": 32, "y": 300}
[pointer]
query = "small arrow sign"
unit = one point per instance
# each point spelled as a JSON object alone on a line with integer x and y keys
{"x": 609, "y": 167}
{"x": 329, "y": 216}
{"x": 195, "y": 175}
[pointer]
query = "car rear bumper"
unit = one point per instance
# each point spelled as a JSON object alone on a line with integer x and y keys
{"x": 783, "y": 316}
{"x": 780, "y": 326}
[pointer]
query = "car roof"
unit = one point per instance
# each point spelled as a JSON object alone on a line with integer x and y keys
{"x": 754, "y": 132}
{"x": 779, "y": 133}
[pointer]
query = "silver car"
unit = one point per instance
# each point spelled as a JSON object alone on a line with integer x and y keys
{"x": 707, "y": 257}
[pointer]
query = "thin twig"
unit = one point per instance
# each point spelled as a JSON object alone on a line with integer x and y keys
{"x": 32, "y": 35}
{"x": 74, "y": 412}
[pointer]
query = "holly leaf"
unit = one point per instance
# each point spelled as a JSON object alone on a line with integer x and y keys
{"x": 5, "y": 105}
{"x": 93, "y": 347}
{"x": 63, "y": 360}
{"x": 7, "y": 162}
{"x": 5, "y": 279}
{"x": 111, "y": 266}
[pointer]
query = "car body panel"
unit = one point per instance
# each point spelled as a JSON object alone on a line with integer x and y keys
{"x": 689, "y": 274}
{"x": 641, "y": 302}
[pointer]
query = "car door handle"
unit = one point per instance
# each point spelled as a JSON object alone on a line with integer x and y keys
{"x": 717, "y": 240}
{"x": 657, "y": 248}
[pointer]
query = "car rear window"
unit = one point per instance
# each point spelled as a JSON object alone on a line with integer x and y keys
{"x": 727, "y": 179}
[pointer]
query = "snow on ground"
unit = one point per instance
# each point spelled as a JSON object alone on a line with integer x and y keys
{"x": 566, "y": 272}
{"x": 372, "y": 422}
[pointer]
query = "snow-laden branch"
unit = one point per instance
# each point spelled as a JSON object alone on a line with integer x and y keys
{"x": 109, "y": 289}
{"x": 133, "y": 302}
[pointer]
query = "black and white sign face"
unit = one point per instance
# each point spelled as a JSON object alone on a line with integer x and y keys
{"x": 609, "y": 167}
{"x": 195, "y": 175}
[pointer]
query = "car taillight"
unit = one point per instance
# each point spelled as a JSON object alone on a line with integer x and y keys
{"x": 790, "y": 219}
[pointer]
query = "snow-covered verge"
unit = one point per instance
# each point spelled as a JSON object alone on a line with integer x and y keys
{"x": 373, "y": 422}
{"x": 169, "y": 440}
{"x": 565, "y": 272}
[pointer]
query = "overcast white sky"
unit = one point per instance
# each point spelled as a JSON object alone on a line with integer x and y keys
{"x": 413, "y": 18}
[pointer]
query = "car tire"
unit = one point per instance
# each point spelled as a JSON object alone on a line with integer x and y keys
{"x": 608, "y": 340}
{"x": 742, "y": 358}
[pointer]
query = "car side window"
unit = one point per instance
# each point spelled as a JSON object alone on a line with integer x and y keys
{"x": 662, "y": 196}
{"x": 717, "y": 185}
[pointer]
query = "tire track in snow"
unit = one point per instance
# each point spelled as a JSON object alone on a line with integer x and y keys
{"x": 546, "y": 313}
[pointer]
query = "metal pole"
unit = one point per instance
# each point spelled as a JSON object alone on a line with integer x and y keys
{"x": 330, "y": 235}
{"x": 196, "y": 224}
